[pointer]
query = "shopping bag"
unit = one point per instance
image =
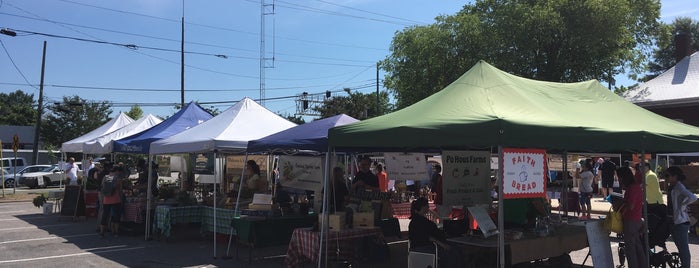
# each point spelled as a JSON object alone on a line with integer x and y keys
{"x": 613, "y": 222}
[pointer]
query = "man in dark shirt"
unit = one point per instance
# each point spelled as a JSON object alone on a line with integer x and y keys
{"x": 608, "y": 170}
{"x": 364, "y": 178}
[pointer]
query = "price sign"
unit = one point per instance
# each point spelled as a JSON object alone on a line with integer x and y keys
{"x": 15, "y": 143}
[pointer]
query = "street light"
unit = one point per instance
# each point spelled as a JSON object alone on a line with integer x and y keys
{"x": 37, "y": 126}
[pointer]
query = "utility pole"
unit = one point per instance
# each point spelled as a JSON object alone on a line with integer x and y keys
{"x": 378, "y": 108}
{"x": 182, "y": 62}
{"x": 40, "y": 109}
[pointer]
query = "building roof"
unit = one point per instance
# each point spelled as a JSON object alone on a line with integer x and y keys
{"x": 25, "y": 133}
{"x": 677, "y": 86}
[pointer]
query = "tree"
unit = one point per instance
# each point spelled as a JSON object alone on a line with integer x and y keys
{"x": 550, "y": 40}
{"x": 356, "y": 104}
{"x": 211, "y": 109}
{"x": 17, "y": 109}
{"x": 292, "y": 118}
{"x": 72, "y": 118}
{"x": 664, "y": 54}
{"x": 135, "y": 112}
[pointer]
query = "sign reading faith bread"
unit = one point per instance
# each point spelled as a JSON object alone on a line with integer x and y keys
{"x": 406, "y": 166}
{"x": 524, "y": 173}
{"x": 465, "y": 178}
{"x": 485, "y": 223}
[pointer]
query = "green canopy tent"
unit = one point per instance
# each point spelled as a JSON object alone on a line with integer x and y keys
{"x": 488, "y": 108}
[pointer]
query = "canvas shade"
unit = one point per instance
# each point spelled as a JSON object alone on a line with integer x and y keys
{"x": 311, "y": 136}
{"x": 189, "y": 116}
{"x": 487, "y": 107}
{"x": 76, "y": 145}
{"x": 103, "y": 144}
{"x": 229, "y": 131}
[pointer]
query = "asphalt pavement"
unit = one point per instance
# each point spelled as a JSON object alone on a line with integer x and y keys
{"x": 30, "y": 239}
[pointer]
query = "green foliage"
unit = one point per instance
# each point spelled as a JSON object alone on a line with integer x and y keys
{"x": 550, "y": 40}
{"x": 356, "y": 104}
{"x": 136, "y": 112}
{"x": 72, "y": 118}
{"x": 296, "y": 119}
{"x": 39, "y": 200}
{"x": 664, "y": 54}
{"x": 17, "y": 109}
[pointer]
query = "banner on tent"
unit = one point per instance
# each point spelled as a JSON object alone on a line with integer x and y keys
{"x": 465, "y": 177}
{"x": 524, "y": 173}
{"x": 301, "y": 172}
{"x": 406, "y": 166}
{"x": 204, "y": 163}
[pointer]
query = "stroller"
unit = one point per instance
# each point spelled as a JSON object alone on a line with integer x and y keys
{"x": 659, "y": 225}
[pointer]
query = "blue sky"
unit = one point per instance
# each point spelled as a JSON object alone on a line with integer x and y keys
{"x": 317, "y": 45}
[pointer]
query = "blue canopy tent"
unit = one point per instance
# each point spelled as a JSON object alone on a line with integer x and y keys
{"x": 312, "y": 136}
{"x": 188, "y": 117}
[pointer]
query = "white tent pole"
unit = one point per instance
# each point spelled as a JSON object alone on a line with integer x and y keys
{"x": 149, "y": 196}
{"x": 501, "y": 209}
{"x": 215, "y": 201}
{"x": 324, "y": 208}
{"x": 240, "y": 185}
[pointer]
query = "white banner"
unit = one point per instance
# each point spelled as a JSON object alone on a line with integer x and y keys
{"x": 466, "y": 178}
{"x": 406, "y": 166}
{"x": 301, "y": 172}
{"x": 524, "y": 173}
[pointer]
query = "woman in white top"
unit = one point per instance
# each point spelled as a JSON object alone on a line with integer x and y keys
{"x": 680, "y": 197}
{"x": 255, "y": 183}
{"x": 586, "y": 180}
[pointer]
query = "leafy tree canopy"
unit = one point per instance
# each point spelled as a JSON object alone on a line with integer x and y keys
{"x": 17, "y": 109}
{"x": 664, "y": 54}
{"x": 136, "y": 112}
{"x": 72, "y": 118}
{"x": 356, "y": 104}
{"x": 550, "y": 40}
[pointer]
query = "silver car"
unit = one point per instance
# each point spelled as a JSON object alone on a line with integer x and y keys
{"x": 10, "y": 178}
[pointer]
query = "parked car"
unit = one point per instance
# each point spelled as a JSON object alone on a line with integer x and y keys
{"x": 6, "y": 179}
{"x": 51, "y": 175}
{"x": 10, "y": 163}
{"x": 10, "y": 178}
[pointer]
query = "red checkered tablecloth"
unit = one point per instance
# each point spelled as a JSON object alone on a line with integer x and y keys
{"x": 402, "y": 210}
{"x": 304, "y": 244}
{"x": 133, "y": 212}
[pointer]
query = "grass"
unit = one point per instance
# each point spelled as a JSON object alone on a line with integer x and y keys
{"x": 19, "y": 196}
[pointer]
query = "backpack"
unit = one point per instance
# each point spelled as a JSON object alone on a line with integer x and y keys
{"x": 109, "y": 185}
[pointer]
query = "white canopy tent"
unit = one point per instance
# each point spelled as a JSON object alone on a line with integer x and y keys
{"x": 229, "y": 132}
{"x": 104, "y": 144}
{"x": 76, "y": 145}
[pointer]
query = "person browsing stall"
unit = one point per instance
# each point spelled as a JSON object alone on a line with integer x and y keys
{"x": 383, "y": 178}
{"x": 422, "y": 233}
{"x": 680, "y": 198}
{"x": 653, "y": 193}
{"x": 631, "y": 211}
{"x": 364, "y": 178}
{"x": 72, "y": 171}
{"x": 111, "y": 198}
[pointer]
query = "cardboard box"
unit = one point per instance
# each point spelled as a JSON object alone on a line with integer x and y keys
{"x": 363, "y": 219}
{"x": 335, "y": 222}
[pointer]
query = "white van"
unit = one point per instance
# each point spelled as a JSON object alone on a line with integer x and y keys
{"x": 9, "y": 164}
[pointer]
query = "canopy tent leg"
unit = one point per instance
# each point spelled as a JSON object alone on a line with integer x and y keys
{"x": 324, "y": 209}
{"x": 149, "y": 197}
{"x": 240, "y": 186}
{"x": 215, "y": 201}
{"x": 501, "y": 211}
{"x": 645, "y": 209}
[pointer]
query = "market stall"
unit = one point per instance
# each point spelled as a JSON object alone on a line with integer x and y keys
{"x": 487, "y": 110}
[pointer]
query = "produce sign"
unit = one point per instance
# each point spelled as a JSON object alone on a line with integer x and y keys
{"x": 524, "y": 173}
{"x": 465, "y": 177}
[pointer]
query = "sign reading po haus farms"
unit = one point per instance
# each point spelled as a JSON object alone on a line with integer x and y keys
{"x": 524, "y": 173}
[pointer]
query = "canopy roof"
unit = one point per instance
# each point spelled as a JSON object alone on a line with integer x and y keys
{"x": 188, "y": 117}
{"x": 76, "y": 145}
{"x": 103, "y": 144}
{"x": 487, "y": 107}
{"x": 229, "y": 131}
{"x": 312, "y": 136}
{"x": 676, "y": 86}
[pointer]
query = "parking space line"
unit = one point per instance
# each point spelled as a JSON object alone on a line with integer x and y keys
{"x": 33, "y": 218}
{"x": 34, "y": 227}
{"x": 45, "y": 238}
{"x": 14, "y": 211}
{"x": 70, "y": 255}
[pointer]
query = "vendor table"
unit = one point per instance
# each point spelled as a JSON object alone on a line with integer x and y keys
{"x": 402, "y": 210}
{"x": 530, "y": 247}
{"x": 304, "y": 244}
{"x": 166, "y": 216}
{"x": 257, "y": 231}
{"x": 133, "y": 212}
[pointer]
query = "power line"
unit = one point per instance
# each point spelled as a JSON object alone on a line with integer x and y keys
{"x": 15, "y": 65}
{"x": 370, "y": 12}
{"x": 328, "y": 12}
